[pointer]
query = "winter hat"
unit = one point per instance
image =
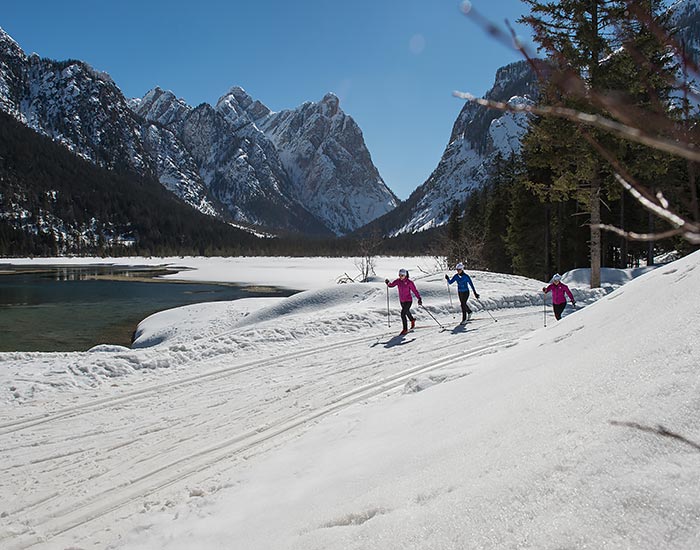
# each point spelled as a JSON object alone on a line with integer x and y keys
{"x": 460, "y": 265}
{"x": 556, "y": 277}
{"x": 403, "y": 272}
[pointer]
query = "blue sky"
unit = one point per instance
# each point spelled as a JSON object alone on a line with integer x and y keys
{"x": 393, "y": 63}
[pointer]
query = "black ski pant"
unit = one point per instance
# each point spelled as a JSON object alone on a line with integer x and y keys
{"x": 406, "y": 313}
{"x": 463, "y": 297}
{"x": 558, "y": 310}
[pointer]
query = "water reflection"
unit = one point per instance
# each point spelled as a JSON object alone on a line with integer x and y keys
{"x": 66, "y": 308}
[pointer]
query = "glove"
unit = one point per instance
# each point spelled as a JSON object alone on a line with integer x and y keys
{"x": 386, "y": 281}
{"x": 420, "y": 302}
{"x": 477, "y": 296}
{"x": 544, "y": 289}
{"x": 573, "y": 304}
{"x": 447, "y": 277}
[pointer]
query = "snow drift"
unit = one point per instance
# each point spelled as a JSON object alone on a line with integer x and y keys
{"x": 500, "y": 435}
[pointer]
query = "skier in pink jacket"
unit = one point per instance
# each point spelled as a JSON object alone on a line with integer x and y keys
{"x": 406, "y": 286}
{"x": 559, "y": 293}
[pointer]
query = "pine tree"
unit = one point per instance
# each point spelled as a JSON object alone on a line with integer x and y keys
{"x": 575, "y": 35}
{"x": 605, "y": 60}
{"x": 504, "y": 176}
{"x": 525, "y": 235}
{"x": 455, "y": 242}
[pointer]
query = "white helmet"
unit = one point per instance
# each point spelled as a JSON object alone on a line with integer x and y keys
{"x": 460, "y": 265}
{"x": 402, "y": 271}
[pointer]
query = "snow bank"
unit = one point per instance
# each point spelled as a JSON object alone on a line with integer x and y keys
{"x": 608, "y": 276}
{"x": 582, "y": 435}
{"x": 306, "y": 423}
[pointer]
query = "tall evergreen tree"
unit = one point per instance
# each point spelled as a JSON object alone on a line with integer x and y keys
{"x": 525, "y": 237}
{"x": 504, "y": 176}
{"x": 455, "y": 238}
{"x": 576, "y": 34}
{"x": 639, "y": 81}
{"x": 607, "y": 61}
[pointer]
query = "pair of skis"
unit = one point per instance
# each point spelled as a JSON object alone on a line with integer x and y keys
{"x": 463, "y": 323}
{"x": 477, "y": 299}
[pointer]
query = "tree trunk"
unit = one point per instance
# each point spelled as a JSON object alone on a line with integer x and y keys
{"x": 595, "y": 230}
{"x": 650, "y": 245}
{"x": 623, "y": 241}
{"x": 694, "y": 205}
{"x": 595, "y": 180}
{"x": 547, "y": 241}
{"x": 560, "y": 223}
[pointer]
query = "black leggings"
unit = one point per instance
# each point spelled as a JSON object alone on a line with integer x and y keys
{"x": 558, "y": 310}
{"x": 463, "y": 297}
{"x": 406, "y": 313}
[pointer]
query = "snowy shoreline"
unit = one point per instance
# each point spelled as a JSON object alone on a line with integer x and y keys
{"x": 305, "y": 422}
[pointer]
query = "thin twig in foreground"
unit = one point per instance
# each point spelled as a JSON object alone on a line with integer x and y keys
{"x": 685, "y": 150}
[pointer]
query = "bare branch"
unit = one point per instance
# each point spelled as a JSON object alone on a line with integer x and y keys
{"x": 661, "y": 211}
{"x": 655, "y": 203}
{"x": 628, "y": 124}
{"x": 573, "y": 85}
{"x": 685, "y": 150}
{"x": 647, "y": 237}
{"x": 661, "y": 35}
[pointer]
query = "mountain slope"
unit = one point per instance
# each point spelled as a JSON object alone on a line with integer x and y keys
{"x": 53, "y": 203}
{"x": 239, "y": 169}
{"x": 216, "y": 159}
{"x": 84, "y": 110}
{"x": 685, "y": 17}
{"x": 332, "y": 172}
{"x": 478, "y": 137}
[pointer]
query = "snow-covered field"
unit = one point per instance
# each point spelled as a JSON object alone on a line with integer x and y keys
{"x": 306, "y": 423}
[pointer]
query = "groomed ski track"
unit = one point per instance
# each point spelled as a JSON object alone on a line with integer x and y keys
{"x": 153, "y": 446}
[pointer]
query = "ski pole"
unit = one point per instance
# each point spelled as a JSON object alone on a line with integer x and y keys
{"x": 434, "y": 319}
{"x": 388, "y": 314}
{"x": 544, "y": 308}
{"x": 450, "y": 295}
{"x": 487, "y": 311}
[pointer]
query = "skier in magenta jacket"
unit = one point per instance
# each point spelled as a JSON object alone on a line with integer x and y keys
{"x": 559, "y": 293}
{"x": 406, "y": 286}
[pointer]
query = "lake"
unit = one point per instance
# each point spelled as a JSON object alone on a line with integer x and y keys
{"x": 73, "y": 308}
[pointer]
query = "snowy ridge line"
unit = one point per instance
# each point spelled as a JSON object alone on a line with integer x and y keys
{"x": 243, "y": 326}
{"x": 73, "y": 516}
{"x": 106, "y": 402}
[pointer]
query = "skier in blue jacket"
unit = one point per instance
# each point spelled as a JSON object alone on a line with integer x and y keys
{"x": 464, "y": 281}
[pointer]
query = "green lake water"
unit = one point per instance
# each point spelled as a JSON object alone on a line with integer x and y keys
{"x": 75, "y": 308}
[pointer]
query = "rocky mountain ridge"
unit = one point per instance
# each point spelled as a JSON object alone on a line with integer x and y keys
{"x": 479, "y": 137}
{"x": 216, "y": 159}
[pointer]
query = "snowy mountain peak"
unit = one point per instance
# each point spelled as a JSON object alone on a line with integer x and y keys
{"x": 323, "y": 151}
{"x": 8, "y": 43}
{"x": 237, "y": 103}
{"x": 161, "y": 106}
{"x": 479, "y": 136}
{"x": 330, "y": 104}
{"x": 305, "y": 169}
{"x": 241, "y": 96}
{"x": 12, "y": 59}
